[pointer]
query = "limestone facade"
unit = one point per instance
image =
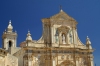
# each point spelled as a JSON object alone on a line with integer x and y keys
{"x": 58, "y": 46}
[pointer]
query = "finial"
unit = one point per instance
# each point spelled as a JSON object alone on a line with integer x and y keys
{"x": 10, "y": 27}
{"x": 88, "y": 40}
{"x": 28, "y": 31}
{"x": 9, "y": 21}
{"x": 29, "y": 36}
{"x": 61, "y": 8}
{"x": 87, "y": 37}
{"x": 88, "y": 43}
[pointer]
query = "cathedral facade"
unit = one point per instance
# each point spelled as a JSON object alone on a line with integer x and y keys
{"x": 59, "y": 45}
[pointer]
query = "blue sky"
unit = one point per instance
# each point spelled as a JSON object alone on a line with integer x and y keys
{"x": 27, "y": 14}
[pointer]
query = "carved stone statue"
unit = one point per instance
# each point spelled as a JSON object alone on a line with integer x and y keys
{"x": 70, "y": 36}
{"x": 63, "y": 39}
{"x": 56, "y": 37}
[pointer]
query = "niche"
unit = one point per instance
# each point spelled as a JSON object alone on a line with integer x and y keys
{"x": 63, "y": 38}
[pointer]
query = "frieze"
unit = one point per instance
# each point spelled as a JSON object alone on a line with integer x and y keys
{"x": 56, "y": 51}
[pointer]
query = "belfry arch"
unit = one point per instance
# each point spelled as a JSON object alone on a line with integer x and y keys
{"x": 10, "y": 44}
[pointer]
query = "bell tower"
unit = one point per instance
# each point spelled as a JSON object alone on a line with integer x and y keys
{"x": 9, "y": 38}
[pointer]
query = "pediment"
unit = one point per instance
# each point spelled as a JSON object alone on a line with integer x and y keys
{"x": 61, "y": 16}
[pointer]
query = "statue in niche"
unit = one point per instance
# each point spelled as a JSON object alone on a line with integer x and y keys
{"x": 56, "y": 36}
{"x": 56, "y": 39}
{"x": 70, "y": 36}
{"x": 63, "y": 39}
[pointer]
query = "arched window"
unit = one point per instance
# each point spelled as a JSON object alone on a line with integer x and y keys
{"x": 10, "y": 44}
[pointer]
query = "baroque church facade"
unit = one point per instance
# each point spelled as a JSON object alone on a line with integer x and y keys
{"x": 59, "y": 45}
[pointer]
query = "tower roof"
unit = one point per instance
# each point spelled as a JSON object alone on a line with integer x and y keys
{"x": 10, "y": 27}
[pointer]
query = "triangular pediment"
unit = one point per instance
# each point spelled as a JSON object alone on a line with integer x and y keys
{"x": 62, "y": 16}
